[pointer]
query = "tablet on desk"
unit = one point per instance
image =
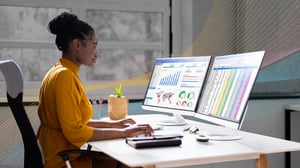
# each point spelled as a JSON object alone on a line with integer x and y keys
{"x": 154, "y": 141}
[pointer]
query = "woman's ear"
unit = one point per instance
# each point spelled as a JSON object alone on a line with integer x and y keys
{"x": 76, "y": 44}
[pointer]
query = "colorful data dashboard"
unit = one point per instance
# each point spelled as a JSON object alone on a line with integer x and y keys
{"x": 176, "y": 82}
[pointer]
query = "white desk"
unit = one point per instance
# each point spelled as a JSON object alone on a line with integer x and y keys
{"x": 191, "y": 152}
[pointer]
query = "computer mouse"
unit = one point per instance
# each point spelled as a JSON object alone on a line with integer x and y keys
{"x": 202, "y": 138}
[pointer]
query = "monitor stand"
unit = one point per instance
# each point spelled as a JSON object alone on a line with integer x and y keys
{"x": 175, "y": 120}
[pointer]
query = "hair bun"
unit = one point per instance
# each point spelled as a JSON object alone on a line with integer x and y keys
{"x": 60, "y": 22}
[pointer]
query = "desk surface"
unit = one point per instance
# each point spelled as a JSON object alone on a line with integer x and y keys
{"x": 192, "y": 152}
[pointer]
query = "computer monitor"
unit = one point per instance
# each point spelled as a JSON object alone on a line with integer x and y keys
{"x": 228, "y": 87}
{"x": 175, "y": 86}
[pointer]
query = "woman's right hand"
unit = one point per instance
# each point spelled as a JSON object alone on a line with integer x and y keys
{"x": 138, "y": 129}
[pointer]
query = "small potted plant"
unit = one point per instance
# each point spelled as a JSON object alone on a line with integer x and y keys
{"x": 117, "y": 104}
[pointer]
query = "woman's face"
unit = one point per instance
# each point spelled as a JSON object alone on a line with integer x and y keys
{"x": 88, "y": 54}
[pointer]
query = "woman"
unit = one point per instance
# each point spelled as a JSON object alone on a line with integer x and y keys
{"x": 64, "y": 109}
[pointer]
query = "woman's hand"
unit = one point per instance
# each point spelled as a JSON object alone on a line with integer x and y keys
{"x": 128, "y": 131}
{"x": 119, "y": 129}
{"x": 123, "y": 123}
{"x": 138, "y": 129}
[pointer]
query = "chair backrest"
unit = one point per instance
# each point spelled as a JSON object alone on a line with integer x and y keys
{"x": 14, "y": 87}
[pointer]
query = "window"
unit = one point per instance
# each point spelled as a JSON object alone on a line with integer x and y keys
{"x": 25, "y": 39}
{"x": 131, "y": 37}
{"x": 33, "y": 62}
{"x": 118, "y": 29}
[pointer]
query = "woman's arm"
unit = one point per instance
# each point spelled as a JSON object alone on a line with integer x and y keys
{"x": 111, "y": 124}
{"x": 129, "y": 131}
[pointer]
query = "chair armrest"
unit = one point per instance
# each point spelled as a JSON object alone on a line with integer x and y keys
{"x": 93, "y": 154}
{"x": 88, "y": 152}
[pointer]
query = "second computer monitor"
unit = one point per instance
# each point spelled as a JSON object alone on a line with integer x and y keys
{"x": 228, "y": 87}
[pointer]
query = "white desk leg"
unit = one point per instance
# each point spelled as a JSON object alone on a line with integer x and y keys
{"x": 262, "y": 161}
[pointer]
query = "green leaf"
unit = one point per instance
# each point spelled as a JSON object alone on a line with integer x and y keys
{"x": 119, "y": 91}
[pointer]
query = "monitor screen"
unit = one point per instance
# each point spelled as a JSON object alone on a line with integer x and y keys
{"x": 228, "y": 87}
{"x": 175, "y": 84}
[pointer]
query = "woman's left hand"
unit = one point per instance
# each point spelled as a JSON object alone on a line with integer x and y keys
{"x": 123, "y": 123}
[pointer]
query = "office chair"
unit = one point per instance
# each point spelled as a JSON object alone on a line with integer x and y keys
{"x": 33, "y": 157}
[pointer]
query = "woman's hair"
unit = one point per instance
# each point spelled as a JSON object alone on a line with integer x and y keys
{"x": 68, "y": 27}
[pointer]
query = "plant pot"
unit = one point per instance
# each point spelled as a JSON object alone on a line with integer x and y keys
{"x": 117, "y": 108}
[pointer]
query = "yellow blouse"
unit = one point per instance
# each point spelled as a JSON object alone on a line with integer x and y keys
{"x": 64, "y": 111}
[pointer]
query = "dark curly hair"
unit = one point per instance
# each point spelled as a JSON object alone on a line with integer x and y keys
{"x": 68, "y": 27}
